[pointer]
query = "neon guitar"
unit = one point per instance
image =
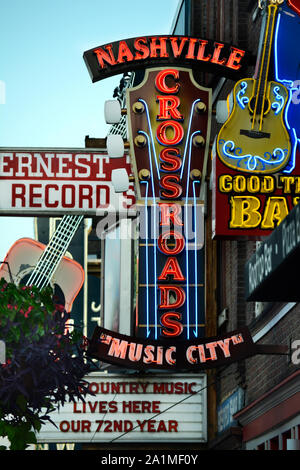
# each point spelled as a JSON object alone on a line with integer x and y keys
{"x": 254, "y": 138}
{"x": 33, "y": 263}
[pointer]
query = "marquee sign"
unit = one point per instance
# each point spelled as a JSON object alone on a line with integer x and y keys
{"x": 58, "y": 181}
{"x": 256, "y": 157}
{"x": 142, "y": 52}
{"x": 151, "y": 408}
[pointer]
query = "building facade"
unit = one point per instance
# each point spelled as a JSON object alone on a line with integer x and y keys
{"x": 250, "y": 404}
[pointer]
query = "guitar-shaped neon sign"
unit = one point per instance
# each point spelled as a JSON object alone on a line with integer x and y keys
{"x": 169, "y": 120}
{"x": 254, "y": 138}
{"x": 33, "y": 263}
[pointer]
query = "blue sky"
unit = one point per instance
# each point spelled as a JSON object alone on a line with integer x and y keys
{"x": 50, "y": 100}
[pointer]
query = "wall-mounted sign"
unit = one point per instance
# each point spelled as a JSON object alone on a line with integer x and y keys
{"x": 228, "y": 408}
{"x": 270, "y": 273}
{"x": 146, "y": 51}
{"x": 169, "y": 117}
{"x": 38, "y": 182}
{"x": 156, "y": 408}
{"x": 143, "y": 354}
{"x": 255, "y": 158}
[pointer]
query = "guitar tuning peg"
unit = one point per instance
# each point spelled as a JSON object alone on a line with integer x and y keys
{"x": 113, "y": 111}
{"x": 144, "y": 174}
{"x": 115, "y": 145}
{"x": 138, "y": 107}
{"x": 200, "y": 107}
{"x": 120, "y": 180}
{"x": 198, "y": 141}
{"x": 140, "y": 141}
{"x": 195, "y": 174}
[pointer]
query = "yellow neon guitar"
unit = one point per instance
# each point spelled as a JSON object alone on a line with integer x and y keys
{"x": 254, "y": 138}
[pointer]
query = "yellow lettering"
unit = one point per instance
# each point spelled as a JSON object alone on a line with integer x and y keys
{"x": 244, "y": 212}
{"x": 239, "y": 184}
{"x": 275, "y": 211}
{"x": 287, "y": 181}
{"x": 225, "y": 184}
{"x": 254, "y": 184}
{"x": 267, "y": 184}
{"x": 296, "y": 200}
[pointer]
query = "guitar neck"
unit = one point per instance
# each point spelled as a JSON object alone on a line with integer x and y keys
{"x": 54, "y": 251}
{"x": 265, "y": 59}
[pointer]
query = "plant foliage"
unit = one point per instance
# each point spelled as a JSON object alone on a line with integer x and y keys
{"x": 45, "y": 361}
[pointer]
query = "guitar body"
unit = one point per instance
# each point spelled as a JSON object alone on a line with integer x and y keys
{"x": 262, "y": 146}
{"x": 22, "y": 259}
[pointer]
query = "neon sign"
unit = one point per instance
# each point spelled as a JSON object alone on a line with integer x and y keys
{"x": 130, "y": 54}
{"x": 254, "y": 205}
{"x": 143, "y": 354}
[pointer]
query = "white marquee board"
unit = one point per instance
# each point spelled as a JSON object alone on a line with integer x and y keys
{"x": 127, "y": 408}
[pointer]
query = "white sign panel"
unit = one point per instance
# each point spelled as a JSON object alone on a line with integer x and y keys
{"x": 152, "y": 408}
{"x": 60, "y": 181}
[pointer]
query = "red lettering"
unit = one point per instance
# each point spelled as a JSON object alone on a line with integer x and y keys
{"x": 171, "y": 159}
{"x": 66, "y": 193}
{"x": 168, "y": 108}
{"x": 161, "y": 46}
{"x": 160, "y": 81}
{"x": 201, "y": 51}
{"x": 86, "y": 426}
{"x": 191, "y": 49}
{"x": 18, "y": 192}
{"x": 235, "y": 58}
{"x": 171, "y": 322}
{"x": 177, "y": 50}
{"x": 64, "y": 426}
{"x": 170, "y": 213}
{"x": 124, "y": 52}
{"x": 170, "y": 184}
{"x": 216, "y": 57}
{"x": 103, "y": 56}
{"x": 102, "y": 202}
{"x": 140, "y": 45}
{"x": 33, "y": 195}
{"x": 88, "y": 196}
{"x": 165, "y": 292}
{"x": 47, "y": 189}
{"x": 171, "y": 268}
{"x": 178, "y": 240}
{"x": 164, "y": 137}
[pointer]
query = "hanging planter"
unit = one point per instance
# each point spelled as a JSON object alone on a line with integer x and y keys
{"x": 45, "y": 362}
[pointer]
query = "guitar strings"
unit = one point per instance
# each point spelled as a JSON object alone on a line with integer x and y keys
{"x": 271, "y": 18}
{"x": 58, "y": 254}
{"x": 268, "y": 64}
{"x": 151, "y": 136}
{"x": 54, "y": 251}
{"x": 63, "y": 250}
{"x": 188, "y": 135}
{"x": 49, "y": 254}
{"x": 186, "y": 223}
{"x": 154, "y": 225}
